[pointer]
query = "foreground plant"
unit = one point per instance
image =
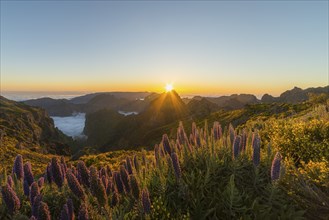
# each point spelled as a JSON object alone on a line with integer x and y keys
{"x": 222, "y": 174}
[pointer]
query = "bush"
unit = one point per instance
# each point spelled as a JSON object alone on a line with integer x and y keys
{"x": 301, "y": 140}
{"x": 197, "y": 177}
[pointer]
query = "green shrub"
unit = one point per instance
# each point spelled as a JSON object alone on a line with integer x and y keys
{"x": 301, "y": 140}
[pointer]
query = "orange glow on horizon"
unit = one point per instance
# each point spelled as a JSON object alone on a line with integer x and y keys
{"x": 182, "y": 89}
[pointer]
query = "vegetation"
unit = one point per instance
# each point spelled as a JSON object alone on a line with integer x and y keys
{"x": 250, "y": 172}
{"x": 30, "y": 128}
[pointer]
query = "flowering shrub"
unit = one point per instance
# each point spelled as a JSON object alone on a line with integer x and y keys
{"x": 301, "y": 140}
{"x": 222, "y": 174}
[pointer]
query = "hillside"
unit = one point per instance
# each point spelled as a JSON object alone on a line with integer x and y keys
{"x": 124, "y": 101}
{"x": 140, "y": 101}
{"x": 202, "y": 107}
{"x": 261, "y": 169}
{"x": 234, "y": 101}
{"x": 109, "y": 130}
{"x": 30, "y": 128}
{"x": 54, "y": 107}
{"x": 295, "y": 95}
{"x": 121, "y": 95}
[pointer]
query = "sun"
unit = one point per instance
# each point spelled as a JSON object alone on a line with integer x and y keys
{"x": 169, "y": 87}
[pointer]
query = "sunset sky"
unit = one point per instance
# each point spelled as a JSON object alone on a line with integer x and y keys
{"x": 201, "y": 47}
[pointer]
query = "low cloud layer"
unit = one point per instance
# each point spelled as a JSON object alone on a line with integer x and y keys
{"x": 72, "y": 126}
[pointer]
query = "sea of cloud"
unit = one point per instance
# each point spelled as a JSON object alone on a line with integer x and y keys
{"x": 72, "y": 125}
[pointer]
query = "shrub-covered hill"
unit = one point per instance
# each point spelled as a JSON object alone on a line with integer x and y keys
{"x": 108, "y": 130}
{"x": 30, "y": 128}
{"x": 216, "y": 173}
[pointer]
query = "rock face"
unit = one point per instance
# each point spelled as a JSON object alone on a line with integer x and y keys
{"x": 31, "y": 128}
{"x": 295, "y": 95}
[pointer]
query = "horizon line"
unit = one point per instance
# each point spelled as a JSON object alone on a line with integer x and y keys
{"x": 182, "y": 94}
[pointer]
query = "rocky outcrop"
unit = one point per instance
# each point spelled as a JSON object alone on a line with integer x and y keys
{"x": 31, "y": 127}
{"x": 295, "y": 95}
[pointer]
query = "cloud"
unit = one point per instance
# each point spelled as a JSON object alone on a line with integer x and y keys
{"x": 72, "y": 126}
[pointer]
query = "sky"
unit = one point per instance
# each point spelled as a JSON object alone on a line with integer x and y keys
{"x": 202, "y": 47}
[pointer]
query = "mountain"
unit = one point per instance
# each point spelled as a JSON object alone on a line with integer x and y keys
{"x": 54, "y": 107}
{"x": 234, "y": 101}
{"x": 117, "y": 102}
{"x": 125, "y": 95}
{"x": 295, "y": 95}
{"x": 164, "y": 109}
{"x": 104, "y": 101}
{"x": 101, "y": 126}
{"x": 109, "y": 130}
{"x": 124, "y": 101}
{"x": 30, "y": 128}
{"x": 201, "y": 107}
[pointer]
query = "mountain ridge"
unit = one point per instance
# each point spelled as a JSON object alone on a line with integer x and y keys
{"x": 139, "y": 101}
{"x": 31, "y": 128}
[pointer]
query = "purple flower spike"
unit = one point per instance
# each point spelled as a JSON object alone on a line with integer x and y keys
{"x": 65, "y": 213}
{"x": 256, "y": 150}
{"x": 28, "y": 175}
{"x": 115, "y": 199}
{"x": 136, "y": 163}
{"x": 41, "y": 181}
{"x": 83, "y": 213}
{"x": 176, "y": 166}
{"x": 146, "y": 201}
{"x": 181, "y": 135}
{"x": 236, "y": 147}
{"x": 18, "y": 169}
{"x": 83, "y": 174}
{"x": 10, "y": 181}
{"x": 48, "y": 174}
{"x": 34, "y": 191}
{"x": 56, "y": 171}
{"x": 96, "y": 187}
{"x": 35, "y": 205}
{"x": 276, "y": 166}
{"x": 71, "y": 208}
{"x": 118, "y": 182}
{"x": 134, "y": 187}
{"x": 217, "y": 130}
{"x": 10, "y": 199}
{"x": 43, "y": 212}
{"x": 26, "y": 188}
{"x": 74, "y": 185}
{"x": 166, "y": 144}
{"x": 232, "y": 133}
{"x": 129, "y": 165}
{"x": 125, "y": 178}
